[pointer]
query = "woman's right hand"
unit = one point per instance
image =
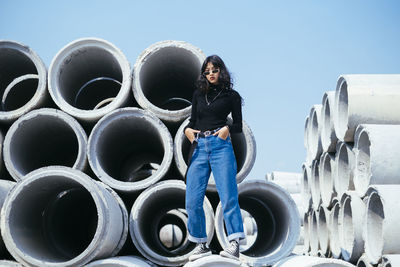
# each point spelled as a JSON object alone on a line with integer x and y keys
{"x": 189, "y": 132}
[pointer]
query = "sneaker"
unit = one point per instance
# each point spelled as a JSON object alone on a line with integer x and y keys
{"x": 232, "y": 251}
{"x": 201, "y": 250}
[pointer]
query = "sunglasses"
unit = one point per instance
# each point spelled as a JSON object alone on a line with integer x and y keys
{"x": 208, "y": 72}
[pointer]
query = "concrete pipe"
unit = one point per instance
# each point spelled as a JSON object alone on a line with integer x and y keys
{"x": 5, "y": 188}
{"x": 297, "y": 198}
{"x": 328, "y": 135}
{"x": 376, "y": 157}
{"x": 215, "y": 261}
{"x": 122, "y": 261}
{"x": 306, "y": 131}
{"x": 306, "y": 232}
{"x": 293, "y": 186}
{"x": 344, "y": 168}
{"x": 244, "y": 146}
{"x": 148, "y": 214}
{"x": 308, "y": 261}
{"x": 306, "y": 186}
{"x": 315, "y": 190}
{"x": 285, "y": 176}
{"x": 351, "y": 217}
{"x": 44, "y": 137}
{"x": 314, "y": 137}
{"x": 43, "y": 221}
{"x": 382, "y": 234}
{"x": 84, "y": 73}
{"x": 314, "y": 240}
{"x": 363, "y": 261}
{"x": 334, "y": 237}
{"x": 390, "y": 260}
{"x": 130, "y": 149}
{"x": 277, "y": 219}
{"x": 323, "y": 230}
{"x": 366, "y": 98}
{"x": 327, "y": 170}
{"x": 6, "y": 263}
{"x": 23, "y": 83}
{"x": 164, "y": 77}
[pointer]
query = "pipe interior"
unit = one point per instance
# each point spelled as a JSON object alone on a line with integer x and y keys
{"x": 363, "y": 165}
{"x": 327, "y": 179}
{"x": 314, "y": 242}
{"x": 130, "y": 149}
{"x": 156, "y": 212}
{"x": 35, "y": 144}
{"x": 343, "y": 169}
{"x": 315, "y": 183}
{"x": 326, "y": 128}
{"x": 323, "y": 233}
{"x": 82, "y": 66}
{"x": 53, "y": 219}
{"x": 313, "y": 141}
{"x": 172, "y": 230}
{"x": 374, "y": 231}
{"x": 334, "y": 237}
{"x": 176, "y": 70}
{"x": 343, "y": 109}
{"x": 20, "y": 94}
{"x": 13, "y": 64}
{"x": 347, "y": 226}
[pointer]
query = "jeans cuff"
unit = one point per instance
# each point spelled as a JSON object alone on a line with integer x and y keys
{"x": 234, "y": 236}
{"x": 197, "y": 239}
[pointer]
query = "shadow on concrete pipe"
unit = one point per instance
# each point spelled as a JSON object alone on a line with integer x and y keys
{"x": 130, "y": 149}
{"x": 122, "y": 261}
{"x": 244, "y": 146}
{"x": 23, "y": 83}
{"x": 176, "y": 66}
{"x": 308, "y": 261}
{"x": 86, "y": 72}
{"x": 59, "y": 216}
{"x": 151, "y": 209}
{"x": 276, "y": 217}
{"x": 323, "y": 230}
{"x": 44, "y": 137}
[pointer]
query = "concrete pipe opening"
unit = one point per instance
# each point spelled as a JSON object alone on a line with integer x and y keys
{"x": 323, "y": 230}
{"x": 314, "y": 141}
{"x": 314, "y": 240}
{"x": 306, "y": 233}
{"x": 363, "y": 261}
{"x": 164, "y": 78}
{"x": 306, "y": 131}
{"x": 334, "y": 236}
{"x": 152, "y": 210}
{"x": 362, "y": 175}
{"x": 45, "y": 224}
{"x": 23, "y": 83}
{"x": 305, "y": 186}
{"x": 277, "y": 219}
{"x": 244, "y": 146}
{"x": 31, "y": 144}
{"x": 328, "y": 135}
{"x": 84, "y": 73}
{"x": 326, "y": 177}
{"x": 130, "y": 149}
{"x": 315, "y": 189}
{"x": 344, "y": 169}
{"x": 342, "y": 116}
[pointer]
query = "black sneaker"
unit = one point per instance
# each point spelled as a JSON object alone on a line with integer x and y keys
{"x": 232, "y": 251}
{"x": 201, "y": 250}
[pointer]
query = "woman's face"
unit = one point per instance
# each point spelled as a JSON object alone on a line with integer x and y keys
{"x": 211, "y": 73}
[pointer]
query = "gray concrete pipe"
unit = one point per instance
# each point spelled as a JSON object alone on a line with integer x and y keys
{"x": 277, "y": 219}
{"x": 308, "y": 261}
{"x": 44, "y": 221}
{"x": 381, "y": 231}
{"x": 23, "y": 83}
{"x": 290, "y": 181}
{"x": 297, "y": 198}
{"x": 327, "y": 169}
{"x": 146, "y": 219}
{"x": 376, "y": 155}
{"x": 84, "y": 73}
{"x": 315, "y": 190}
{"x": 334, "y": 238}
{"x": 44, "y": 137}
{"x": 244, "y": 146}
{"x": 351, "y": 217}
{"x": 176, "y": 66}
{"x": 314, "y": 137}
{"x": 306, "y": 186}
{"x": 5, "y": 188}
{"x": 323, "y": 230}
{"x": 314, "y": 240}
{"x": 390, "y": 260}
{"x": 345, "y": 158}
{"x": 328, "y": 135}
{"x": 306, "y": 232}
{"x": 366, "y": 98}
{"x": 363, "y": 261}
{"x": 122, "y": 261}
{"x": 6, "y": 263}
{"x": 130, "y": 149}
{"x": 215, "y": 261}
{"x": 306, "y": 131}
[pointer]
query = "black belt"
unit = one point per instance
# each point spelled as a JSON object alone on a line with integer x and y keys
{"x": 207, "y": 133}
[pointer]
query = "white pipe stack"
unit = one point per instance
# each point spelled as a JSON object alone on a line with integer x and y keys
{"x": 305, "y": 186}
{"x": 307, "y": 261}
{"x": 344, "y": 168}
{"x": 327, "y": 169}
{"x": 328, "y": 135}
{"x": 323, "y": 230}
{"x": 335, "y": 234}
{"x": 314, "y": 135}
{"x": 315, "y": 189}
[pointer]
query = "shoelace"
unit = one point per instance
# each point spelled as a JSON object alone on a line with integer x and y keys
{"x": 233, "y": 248}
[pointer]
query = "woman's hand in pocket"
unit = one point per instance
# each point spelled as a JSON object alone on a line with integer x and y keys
{"x": 222, "y": 133}
{"x": 189, "y": 132}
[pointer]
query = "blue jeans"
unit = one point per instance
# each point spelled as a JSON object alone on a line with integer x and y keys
{"x": 213, "y": 154}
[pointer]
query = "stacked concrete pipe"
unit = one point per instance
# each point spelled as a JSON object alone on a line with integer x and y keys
{"x": 215, "y": 261}
{"x": 390, "y": 260}
{"x": 244, "y": 146}
{"x": 335, "y": 234}
{"x": 277, "y": 220}
{"x": 327, "y": 169}
{"x": 31, "y": 144}
{"x": 89, "y": 78}
{"x": 344, "y": 175}
{"x": 315, "y": 189}
{"x": 328, "y": 135}
{"x": 363, "y": 261}
{"x": 323, "y": 230}
{"x": 53, "y": 228}
{"x": 23, "y": 84}
{"x": 307, "y": 261}
{"x": 122, "y": 261}
{"x": 314, "y": 135}
{"x": 151, "y": 211}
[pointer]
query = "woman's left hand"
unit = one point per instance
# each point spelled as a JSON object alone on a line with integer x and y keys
{"x": 222, "y": 133}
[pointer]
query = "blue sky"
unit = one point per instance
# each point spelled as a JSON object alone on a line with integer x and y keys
{"x": 283, "y": 54}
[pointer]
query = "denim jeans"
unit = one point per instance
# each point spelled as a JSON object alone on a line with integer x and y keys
{"x": 214, "y": 154}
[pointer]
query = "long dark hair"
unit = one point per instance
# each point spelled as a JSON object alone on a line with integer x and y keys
{"x": 224, "y": 79}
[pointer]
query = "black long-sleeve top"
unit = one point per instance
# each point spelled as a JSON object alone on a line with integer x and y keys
{"x": 209, "y": 117}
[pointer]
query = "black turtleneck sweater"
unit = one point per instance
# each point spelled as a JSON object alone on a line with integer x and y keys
{"x": 212, "y": 115}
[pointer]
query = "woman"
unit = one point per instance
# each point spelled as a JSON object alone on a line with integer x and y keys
{"x": 209, "y": 132}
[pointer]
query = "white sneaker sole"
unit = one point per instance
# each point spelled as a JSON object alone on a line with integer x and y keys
{"x": 227, "y": 255}
{"x": 198, "y": 256}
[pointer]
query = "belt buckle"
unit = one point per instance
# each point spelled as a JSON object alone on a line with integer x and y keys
{"x": 207, "y": 133}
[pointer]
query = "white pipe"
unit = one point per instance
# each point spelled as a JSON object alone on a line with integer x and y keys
{"x": 344, "y": 168}
{"x": 308, "y": 261}
{"x": 315, "y": 190}
{"x": 314, "y": 137}
{"x": 306, "y": 131}
{"x": 215, "y": 261}
{"x": 327, "y": 169}
{"x": 306, "y": 232}
{"x": 363, "y": 261}
{"x": 328, "y": 135}
{"x": 323, "y": 230}
{"x": 122, "y": 261}
{"x": 377, "y": 154}
{"x": 291, "y": 182}
{"x": 334, "y": 224}
{"x": 390, "y": 260}
{"x": 314, "y": 240}
{"x": 366, "y": 98}
{"x": 306, "y": 186}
